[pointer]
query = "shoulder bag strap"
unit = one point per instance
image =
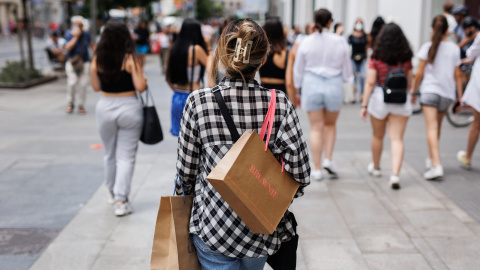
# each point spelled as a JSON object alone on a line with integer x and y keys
{"x": 192, "y": 67}
{"x": 226, "y": 116}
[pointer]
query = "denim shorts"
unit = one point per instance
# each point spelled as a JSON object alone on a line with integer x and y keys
{"x": 320, "y": 92}
{"x": 141, "y": 49}
{"x": 435, "y": 100}
{"x": 214, "y": 260}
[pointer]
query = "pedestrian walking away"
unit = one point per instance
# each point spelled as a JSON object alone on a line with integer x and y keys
{"x": 358, "y": 40}
{"x": 472, "y": 98}
{"x": 440, "y": 76}
{"x": 186, "y": 68}
{"x": 221, "y": 238}
{"x": 322, "y": 64}
{"x": 141, "y": 37}
{"x": 272, "y": 74}
{"x": 391, "y": 53}
{"x": 78, "y": 63}
{"x": 117, "y": 73}
{"x": 165, "y": 41}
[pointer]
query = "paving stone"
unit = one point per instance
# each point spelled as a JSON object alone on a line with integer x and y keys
{"x": 382, "y": 239}
{"x": 428, "y": 253}
{"x": 396, "y": 262}
{"x": 332, "y": 254}
{"x": 360, "y": 206}
{"x": 324, "y": 220}
{"x": 457, "y": 252}
{"x": 438, "y": 223}
{"x": 74, "y": 254}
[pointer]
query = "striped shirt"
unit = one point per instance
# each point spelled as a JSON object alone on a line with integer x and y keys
{"x": 383, "y": 69}
{"x": 204, "y": 140}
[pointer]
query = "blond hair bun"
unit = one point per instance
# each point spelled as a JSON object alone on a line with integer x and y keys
{"x": 246, "y": 30}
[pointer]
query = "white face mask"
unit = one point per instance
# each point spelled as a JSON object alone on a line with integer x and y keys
{"x": 359, "y": 26}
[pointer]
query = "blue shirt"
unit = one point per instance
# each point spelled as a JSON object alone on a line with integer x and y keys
{"x": 81, "y": 47}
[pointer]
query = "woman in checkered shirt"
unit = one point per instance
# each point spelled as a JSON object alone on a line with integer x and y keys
{"x": 222, "y": 239}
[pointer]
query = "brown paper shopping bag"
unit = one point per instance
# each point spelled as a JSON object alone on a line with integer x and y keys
{"x": 173, "y": 248}
{"x": 251, "y": 180}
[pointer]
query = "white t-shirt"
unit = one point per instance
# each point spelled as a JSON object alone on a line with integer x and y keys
{"x": 472, "y": 93}
{"x": 439, "y": 77}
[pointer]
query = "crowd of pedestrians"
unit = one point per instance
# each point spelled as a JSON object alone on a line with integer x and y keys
{"x": 243, "y": 60}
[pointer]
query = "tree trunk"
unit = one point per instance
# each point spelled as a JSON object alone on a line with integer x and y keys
{"x": 26, "y": 26}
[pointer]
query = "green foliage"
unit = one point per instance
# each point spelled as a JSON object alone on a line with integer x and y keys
{"x": 204, "y": 9}
{"x": 17, "y": 72}
{"x": 217, "y": 10}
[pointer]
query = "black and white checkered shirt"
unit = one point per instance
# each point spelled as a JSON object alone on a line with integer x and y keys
{"x": 204, "y": 140}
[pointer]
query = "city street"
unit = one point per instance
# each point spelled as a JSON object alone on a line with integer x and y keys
{"x": 11, "y": 51}
{"x": 54, "y": 212}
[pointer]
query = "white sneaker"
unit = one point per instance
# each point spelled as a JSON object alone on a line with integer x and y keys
{"x": 122, "y": 209}
{"x": 434, "y": 173}
{"x": 316, "y": 175}
{"x": 372, "y": 171}
{"x": 329, "y": 165}
{"x": 462, "y": 158}
{"x": 428, "y": 163}
{"x": 394, "y": 182}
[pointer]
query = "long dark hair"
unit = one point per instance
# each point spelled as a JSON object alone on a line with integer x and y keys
{"x": 440, "y": 27}
{"x": 115, "y": 43}
{"x": 322, "y": 18}
{"x": 190, "y": 34}
{"x": 376, "y": 27}
{"x": 274, "y": 29}
{"x": 392, "y": 46}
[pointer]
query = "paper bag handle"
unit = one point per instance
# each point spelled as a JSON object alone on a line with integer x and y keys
{"x": 175, "y": 187}
{"x": 268, "y": 122}
{"x": 269, "y": 119}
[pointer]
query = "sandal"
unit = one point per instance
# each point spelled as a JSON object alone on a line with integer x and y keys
{"x": 69, "y": 108}
{"x": 81, "y": 110}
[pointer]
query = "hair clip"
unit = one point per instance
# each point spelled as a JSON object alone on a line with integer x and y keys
{"x": 246, "y": 49}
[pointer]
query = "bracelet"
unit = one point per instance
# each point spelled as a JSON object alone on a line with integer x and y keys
{"x": 364, "y": 106}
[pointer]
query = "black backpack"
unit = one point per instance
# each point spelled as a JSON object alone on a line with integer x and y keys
{"x": 395, "y": 86}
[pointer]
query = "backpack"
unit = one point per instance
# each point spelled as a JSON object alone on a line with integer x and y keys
{"x": 395, "y": 86}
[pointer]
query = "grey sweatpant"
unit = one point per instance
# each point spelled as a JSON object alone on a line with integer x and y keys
{"x": 120, "y": 122}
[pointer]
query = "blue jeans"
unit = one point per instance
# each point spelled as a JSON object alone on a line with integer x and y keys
{"x": 214, "y": 260}
{"x": 359, "y": 72}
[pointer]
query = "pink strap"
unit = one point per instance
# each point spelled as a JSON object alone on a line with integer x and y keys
{"x": 268, "y": 122}
{"x": 269, "y": 119}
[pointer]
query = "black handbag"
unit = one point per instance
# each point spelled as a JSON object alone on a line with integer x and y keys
{"x": 152, "y": 130}
{"x": 286, "y": 257}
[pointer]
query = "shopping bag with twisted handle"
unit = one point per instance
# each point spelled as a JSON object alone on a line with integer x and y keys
{"x": 173, "y": 247}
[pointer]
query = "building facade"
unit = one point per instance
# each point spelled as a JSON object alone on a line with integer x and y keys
{"x": 231, "y": 7}
{"x": 414, "y": 16}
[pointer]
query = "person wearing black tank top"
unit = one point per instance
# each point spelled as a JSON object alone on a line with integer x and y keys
{"x": 117, "y": 73}
{"x": 186, "y": 68}
{"x": 272, "y": 73}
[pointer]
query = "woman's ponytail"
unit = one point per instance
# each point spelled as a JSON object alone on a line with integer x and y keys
{"x": 440, "y": 27}
{"x": 322, "y": 18}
